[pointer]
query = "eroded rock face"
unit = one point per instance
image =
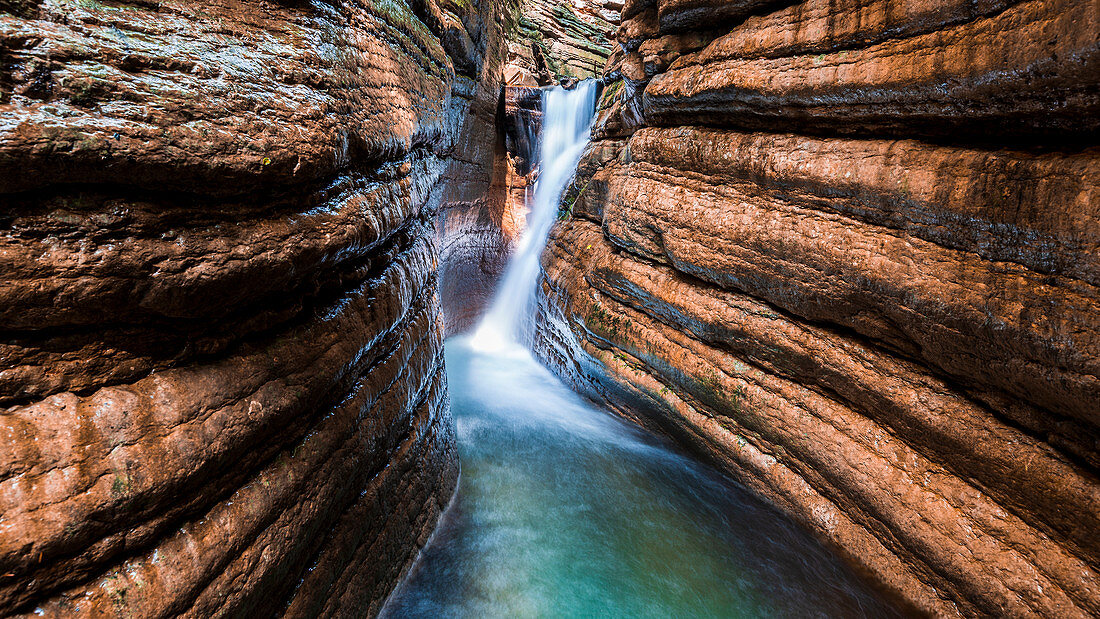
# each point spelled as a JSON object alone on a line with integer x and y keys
{"x": 473, "y": 225}
{"x": 222, "y": 344}
{"x": 847, "y": 252}
{"x": 551, "y": 40}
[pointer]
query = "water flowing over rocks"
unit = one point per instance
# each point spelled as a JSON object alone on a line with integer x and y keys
{"x": 847, "y": 252}
{"x": 221, "y": 362}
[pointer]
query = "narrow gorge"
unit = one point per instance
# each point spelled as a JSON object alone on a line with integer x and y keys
{"x": 834, "y": 267}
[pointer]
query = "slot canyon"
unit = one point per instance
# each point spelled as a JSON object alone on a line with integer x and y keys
{"x": 832, "y": 266}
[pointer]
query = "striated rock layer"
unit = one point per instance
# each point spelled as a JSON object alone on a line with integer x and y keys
{"x": 848, "y": 253}
{"x": 221, "y": 352}
{"x": 551, "y": 39}
{"x": 473, "y": 222}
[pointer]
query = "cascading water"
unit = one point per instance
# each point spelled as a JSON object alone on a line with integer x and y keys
{"x": 565, "y": 510}
{"x": 566, "y": 126}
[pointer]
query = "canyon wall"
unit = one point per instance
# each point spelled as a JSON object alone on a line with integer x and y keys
{"x": 221, "y": 364}
{"x": 551, "y": 39}
{"x": 847, "y": 252}
{"x": 473, "y": 222}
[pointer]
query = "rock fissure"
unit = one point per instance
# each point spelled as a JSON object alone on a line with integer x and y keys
{"x": 844, "y": 252}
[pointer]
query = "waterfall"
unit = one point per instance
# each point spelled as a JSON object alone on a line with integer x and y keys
{"x": 550, "y": 483}
{"x": 566, "y": 125}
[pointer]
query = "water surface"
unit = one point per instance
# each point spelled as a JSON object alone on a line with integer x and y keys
{"x": 564, "y": 510}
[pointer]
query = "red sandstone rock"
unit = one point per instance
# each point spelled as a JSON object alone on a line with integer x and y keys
{"x": 222, "y": 341}
{"x": 1028, "y": 72}
{"x": 471, "y": 195}
{"x": 852, "y": 262}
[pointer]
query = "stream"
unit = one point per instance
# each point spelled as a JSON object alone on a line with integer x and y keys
{"x": 566, "y": 510}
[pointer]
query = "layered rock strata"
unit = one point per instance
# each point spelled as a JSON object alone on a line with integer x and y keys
{"x": 221, "y": 361}
{"x": 474, "y": 225}
{"x": 847, "y": 252}
{"x": 551, "y": 40}
{"x": 522, "y": 126}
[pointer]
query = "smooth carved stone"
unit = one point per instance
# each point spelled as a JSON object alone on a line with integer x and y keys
{"x": 522, "y": 126}
{"x": 982, "y": 79}
{"x": 681, "y": 15}
{"x": 675, "y": 16}
{"x": 82, "y": 276}
{"x": 72, "y": 274}
{"x": 221, "y": 358}
{"x": 997, "y": 324}
{"x": 819, "y": 26}
{"x": 854, "y": 441}
{"x": 894, "y": 340}
{"x": 173, "y": 98}
{"x": 92, "y": 477}
{"x": 995, "y": 204}
{"x": 470, "y": 196}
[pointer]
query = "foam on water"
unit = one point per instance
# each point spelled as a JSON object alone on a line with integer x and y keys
{"x": 564, "y": 510}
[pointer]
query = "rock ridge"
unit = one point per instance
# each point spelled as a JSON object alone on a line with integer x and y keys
{"x": 223, "y": 292}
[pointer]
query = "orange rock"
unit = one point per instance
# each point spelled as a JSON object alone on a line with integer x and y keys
{"x": 222, "y": 363}
{"x": 848, "y": 254}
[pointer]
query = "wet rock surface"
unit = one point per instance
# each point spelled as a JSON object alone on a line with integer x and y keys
{"x": 551, "y": 40}
{"x": 222, "y": 333}
{"x": 473, "y": 224}
{"x": 847, "y": 252}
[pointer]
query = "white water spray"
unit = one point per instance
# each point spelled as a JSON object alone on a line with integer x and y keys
{"x": 566, "y": 126}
